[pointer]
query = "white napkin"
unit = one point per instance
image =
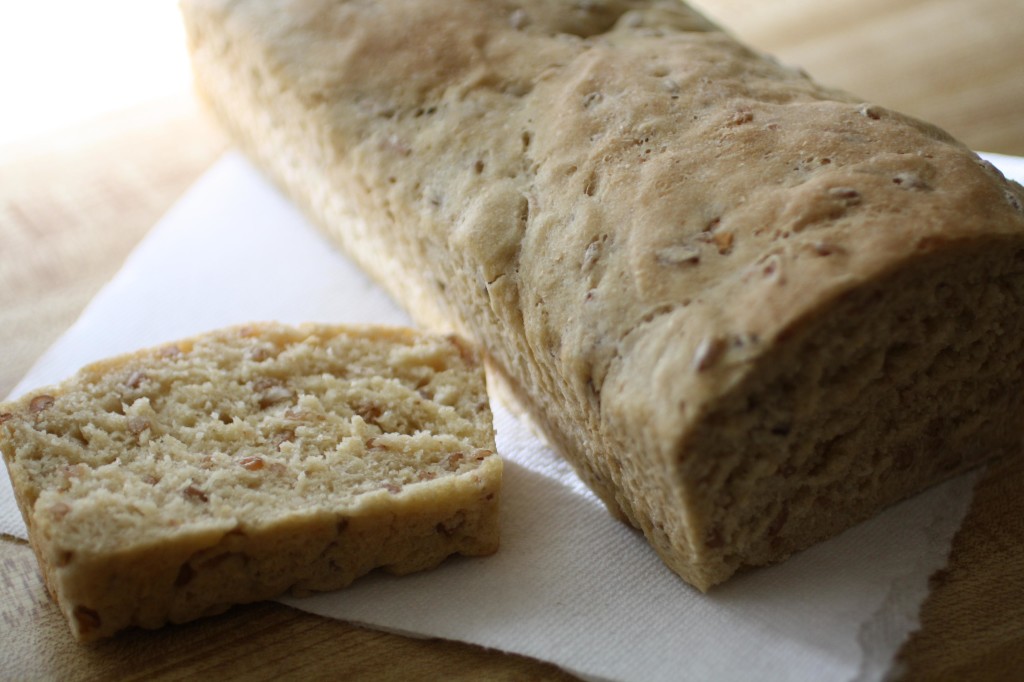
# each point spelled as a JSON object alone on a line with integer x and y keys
{"x": 570, "y": 585}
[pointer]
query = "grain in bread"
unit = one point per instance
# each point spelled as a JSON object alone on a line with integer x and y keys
{"x": 751, "y": 310}
{"x": 238, "y": 465}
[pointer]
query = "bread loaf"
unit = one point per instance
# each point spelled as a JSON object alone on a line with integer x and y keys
{"x": 172, "y": 483}
{"x": 751, "y": 310}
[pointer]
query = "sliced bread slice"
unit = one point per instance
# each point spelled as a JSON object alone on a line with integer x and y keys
{"x": 172, "y": 483}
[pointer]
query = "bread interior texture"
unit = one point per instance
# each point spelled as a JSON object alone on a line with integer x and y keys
{"x": 236, "y": 466}
{"x": 910, "y": 379}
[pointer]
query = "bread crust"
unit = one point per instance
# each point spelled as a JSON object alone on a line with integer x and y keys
{"x": 640, "y": 219}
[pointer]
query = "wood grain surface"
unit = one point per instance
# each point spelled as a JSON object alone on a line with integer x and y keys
{"x": 73, "y": 204}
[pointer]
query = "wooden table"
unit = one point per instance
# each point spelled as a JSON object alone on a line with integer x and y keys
{"x": 74, "y": 204}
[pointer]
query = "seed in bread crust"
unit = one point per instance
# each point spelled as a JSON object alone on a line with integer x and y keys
{"x": 40, "y": 403}
{"x": 193, "y": 493}
{"x": 252, "y": 463}
{"x": 708, "y": 353}
{"x": 87, "y": 619}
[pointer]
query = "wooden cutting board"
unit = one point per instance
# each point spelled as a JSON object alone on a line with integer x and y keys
{"x": 74, "y": 204}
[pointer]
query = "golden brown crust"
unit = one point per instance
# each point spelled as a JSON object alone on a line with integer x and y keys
{"x": 633, "y": 214}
